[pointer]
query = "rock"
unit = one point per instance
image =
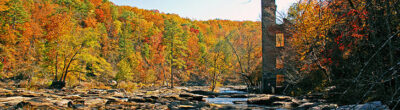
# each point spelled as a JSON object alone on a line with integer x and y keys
{"x": 283, "y": 104}
{"x": 192, "y": 96}
{"x": 112, "y": 100}
{"x": 119, "y": 95}
{"x": 224, "y": 96}
{"x": 72, "y": 97}
{"x": 185, "y": 95}
{"x": 239, "y": 102}
{"x": 96, "y": 91}
{"x": 137, "y": 99}
{"x": 94, "y": 102}
{"x": 6, "y": 93}
{"x": 162, "y": 107}
{"x": 307, "y": 105}
{"x": 30, "y": 94}
{"x": 62, "y": 103}
{"x": 151, "y": 97}
{"x": 377, "y": 105}
{"x": 211, "y": 96}
{"x": 201, "y": 92}
{"x": 239, "y": 96}
{"x": 23, "y": 105}
{"x": 75, "y": 106}
{"x": 186, "y": 107}
{"x": 268, "y": 100}
{"x": 197, "y": 98}
{"x": 128, "y": 103}
{"x": 13, "y": 100}
{"x": 171, "y": 97}
{"x": 33, "y": 103}
{"x": 325, "y": 107}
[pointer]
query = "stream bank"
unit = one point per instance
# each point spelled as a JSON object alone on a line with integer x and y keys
{"x": 178, "y": 98}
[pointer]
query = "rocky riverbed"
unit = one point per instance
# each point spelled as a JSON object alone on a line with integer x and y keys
{"x": 155, "y": 98}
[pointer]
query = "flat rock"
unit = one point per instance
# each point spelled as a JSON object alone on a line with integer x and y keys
{"x": 97, "y": 91}
{"x": 35, "y": 103}
{"x": 72, "y": 97}
{"x": 325, "y": 107}
{"x": 239, "y": 102}
{"x": 173, "y": 97}
{"x": 119, "y": 95}
{"x": 186, "y": 107}
{"x": 13, "y": 100}
{"x": 224, "y": 96}
{"x": 268, "y": 99}
{"x": 307, "y": 105}
{"x": 239, "y": 96}
{"x": 30, "y": 94}
{"x": 61, "y": 103}
{"x": 93, "y": 102}
{"x": 6, "y": 93}
{"x": 137, "y": 99}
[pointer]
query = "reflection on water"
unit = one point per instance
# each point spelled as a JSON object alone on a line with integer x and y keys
{"x": 225, "y": 100}
{"x": 229, "y": 90}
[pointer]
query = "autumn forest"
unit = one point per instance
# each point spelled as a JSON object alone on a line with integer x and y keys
{"x": 342, "y": 51}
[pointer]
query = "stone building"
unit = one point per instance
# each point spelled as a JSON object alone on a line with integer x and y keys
{"x": 273, "y": 41}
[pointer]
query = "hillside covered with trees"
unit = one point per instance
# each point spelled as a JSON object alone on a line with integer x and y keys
{"x": 98, "y": 44}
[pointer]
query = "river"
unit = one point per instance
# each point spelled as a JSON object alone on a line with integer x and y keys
{"x": 230, "y": 102}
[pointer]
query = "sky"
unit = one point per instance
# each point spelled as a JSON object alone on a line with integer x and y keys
{"x": 237, "y": 10}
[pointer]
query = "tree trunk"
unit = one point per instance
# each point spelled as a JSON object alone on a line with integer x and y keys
{"x": 56, "y": 65}
{"x": 172, "y": 62}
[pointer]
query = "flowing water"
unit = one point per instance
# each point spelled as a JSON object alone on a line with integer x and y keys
{"x": 229, "y": 102}
{"x": 218, "y": 100}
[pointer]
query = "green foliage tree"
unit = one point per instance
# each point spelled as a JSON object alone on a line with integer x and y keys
{"x": 176, "y": 39}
